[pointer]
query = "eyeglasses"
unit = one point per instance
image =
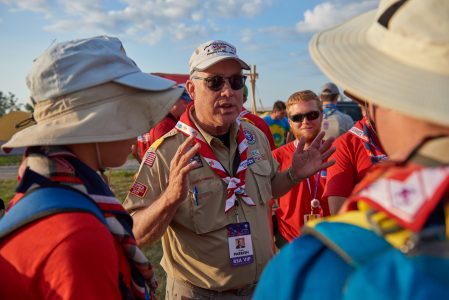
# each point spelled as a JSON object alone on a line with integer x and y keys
{"x": 216, "y": 83}
{"x": 310, "y": 116}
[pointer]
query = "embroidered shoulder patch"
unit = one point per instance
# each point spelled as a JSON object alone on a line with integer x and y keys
{"x": 150, "y": 156}
{"x": 138, "y": 189}
{"x": 249, "y": 136}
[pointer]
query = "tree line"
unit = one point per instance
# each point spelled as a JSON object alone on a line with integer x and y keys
{"x": 9, "y": 102}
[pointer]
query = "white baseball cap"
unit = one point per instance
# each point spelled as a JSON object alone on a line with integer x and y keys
{"x": 212, "y": 52}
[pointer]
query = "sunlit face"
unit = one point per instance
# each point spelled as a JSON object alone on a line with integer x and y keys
{"x": 308, "y": 129}
{"x": 279, "y": 114}
{"x": 114, "y": 154}
{"x": 216, "y": 110}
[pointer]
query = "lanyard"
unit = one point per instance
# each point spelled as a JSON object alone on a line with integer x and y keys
{"x": 314, "y": 203}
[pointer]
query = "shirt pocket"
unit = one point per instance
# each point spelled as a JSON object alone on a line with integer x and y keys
{"x": 207, "y": 209}
{"x": 261, "y": 172}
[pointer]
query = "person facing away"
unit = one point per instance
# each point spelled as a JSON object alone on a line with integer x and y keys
{"x": 278, "y": 123}
{"x": 357, "y": 150}
{"x": 257, "y": 121}
{"x": 207, "y": 183}
{"x": 303, "y": 202}
{"x": 335, "y": 122}
{"x": 390, "y": 241}
{"x": 76, "y": 87}
{"x": 145, "y": 140}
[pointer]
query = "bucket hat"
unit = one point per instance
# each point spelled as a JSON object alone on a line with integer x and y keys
{"x": 396, "y": 57}
{"x": 89, "y": 90}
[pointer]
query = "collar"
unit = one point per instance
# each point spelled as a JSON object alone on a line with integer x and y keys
{"x": 234, "y": 129}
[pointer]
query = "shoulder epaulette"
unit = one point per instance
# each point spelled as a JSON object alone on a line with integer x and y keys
{"x": 247, "y": 120}
{"x": 160, "y": 140}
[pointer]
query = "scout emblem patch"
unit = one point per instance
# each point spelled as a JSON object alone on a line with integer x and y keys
{"x": 138, "y": 189}
{"x": 249, "y": 136}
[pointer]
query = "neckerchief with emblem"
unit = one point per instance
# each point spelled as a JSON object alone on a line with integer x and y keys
{"x": 365, "y": 132}
{"x": 56, "y": 164}
{"x": 235, "y": 184}
{"x": 405, "y": 191}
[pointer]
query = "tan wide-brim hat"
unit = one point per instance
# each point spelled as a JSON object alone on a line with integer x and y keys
{"x": 13, "y": 122}
{"x": 397, "y": 57}
{"x": 104, "y": 113}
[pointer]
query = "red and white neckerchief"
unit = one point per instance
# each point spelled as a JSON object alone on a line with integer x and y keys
{"x": 243, "y": 113}
{"x": 236, "y": 184}
{"x": 407, "y": 193}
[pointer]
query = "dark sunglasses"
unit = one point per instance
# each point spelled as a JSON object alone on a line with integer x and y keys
{"x": 311, "y": 115}
{"x": 216, "y": 83}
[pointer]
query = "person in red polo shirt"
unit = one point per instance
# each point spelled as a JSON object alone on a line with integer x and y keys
{"x": 356, "y": 151}
{"x": 303, "y": 202}
{"x": 145, "y": 140}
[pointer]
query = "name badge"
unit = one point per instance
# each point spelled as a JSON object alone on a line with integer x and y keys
{"x": 240, "y": 244}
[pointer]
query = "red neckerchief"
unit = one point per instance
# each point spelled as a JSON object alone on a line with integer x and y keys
{"x": 406, "y": 192}
{"x": 236, "y": 184}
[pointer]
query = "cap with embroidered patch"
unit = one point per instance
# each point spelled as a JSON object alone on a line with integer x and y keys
{"x": 212, "y": 52}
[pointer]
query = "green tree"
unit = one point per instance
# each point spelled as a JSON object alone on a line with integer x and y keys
{"x": 8, "y": 103}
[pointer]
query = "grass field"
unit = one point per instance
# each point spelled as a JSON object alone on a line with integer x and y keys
{"x": 119, "y": 182}
{"x": 10, "y": 160}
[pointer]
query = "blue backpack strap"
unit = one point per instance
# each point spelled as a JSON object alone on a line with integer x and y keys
{"x": 355, "y": 244}
{"x": 47, "y": 201}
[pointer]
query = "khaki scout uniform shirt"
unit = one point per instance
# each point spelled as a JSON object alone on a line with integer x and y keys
{"x": 196, "y": 244}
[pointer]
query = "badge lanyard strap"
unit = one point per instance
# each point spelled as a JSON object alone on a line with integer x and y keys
{"x": 317, "y": 178}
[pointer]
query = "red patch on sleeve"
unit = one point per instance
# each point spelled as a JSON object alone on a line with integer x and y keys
{"x": 138, "y": 189}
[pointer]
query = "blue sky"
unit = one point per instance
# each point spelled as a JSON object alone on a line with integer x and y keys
{"x": 160, "y": 35}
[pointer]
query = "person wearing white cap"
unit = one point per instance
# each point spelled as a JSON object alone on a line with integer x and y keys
{"x": 217, "y": 193}
{"x": 391, "y": 241}
{"x": 335, "y": 122}
{"x": 65, "y": 235}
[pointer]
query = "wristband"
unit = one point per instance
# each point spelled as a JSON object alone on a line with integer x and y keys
{"x": 291, "y": 177}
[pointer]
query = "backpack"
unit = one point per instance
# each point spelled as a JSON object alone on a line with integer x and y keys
{"x": 46, "y": 201}
{"x": 418, "y": 269}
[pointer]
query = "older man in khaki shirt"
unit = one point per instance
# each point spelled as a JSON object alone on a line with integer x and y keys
{"x": 205, "y": 186}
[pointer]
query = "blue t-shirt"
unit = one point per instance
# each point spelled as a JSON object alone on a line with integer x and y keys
{"x": 279, "y": 129}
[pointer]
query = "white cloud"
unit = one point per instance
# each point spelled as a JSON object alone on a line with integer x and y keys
{"x": 183, "y": 31}
{"x": 37, "y": 6}
{"x": 246, "y": 36}
{"x": 144, "y": 20}
{"x": 330, "y": 13}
